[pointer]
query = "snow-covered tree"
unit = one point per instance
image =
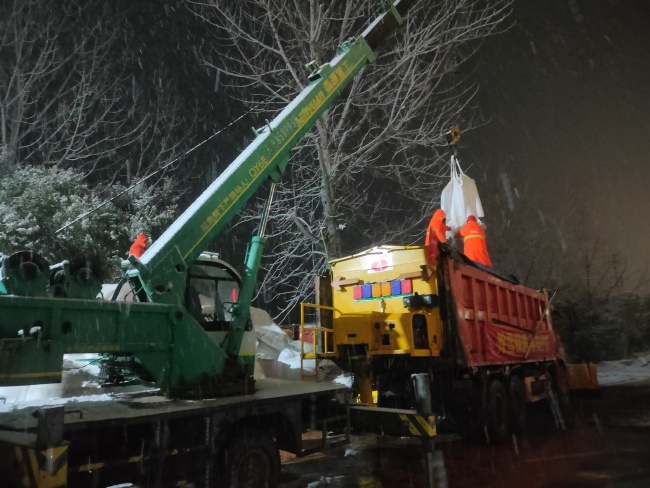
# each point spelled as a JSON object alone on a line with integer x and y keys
{"x": 114, "y": 93}
{"x": 36, "y": 202}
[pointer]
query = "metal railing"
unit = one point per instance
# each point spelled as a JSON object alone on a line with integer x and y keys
{"x": 316, "y": 333}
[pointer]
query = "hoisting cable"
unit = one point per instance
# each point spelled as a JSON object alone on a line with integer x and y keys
{"x": 103, "y": 204}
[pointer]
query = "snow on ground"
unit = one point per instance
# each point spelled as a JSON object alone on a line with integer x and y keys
{"x": 80, "y": 374}
{"x": 624, "y": 370}
{"x": 34, "y": 402}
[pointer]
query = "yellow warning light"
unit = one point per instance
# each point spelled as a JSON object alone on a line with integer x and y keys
{"x": 375, "y": 397}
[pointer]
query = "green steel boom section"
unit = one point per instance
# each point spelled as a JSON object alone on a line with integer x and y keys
{"x": 162, "y": 267}
{"x": 36, "y": 331}
{"x": 267, "y": 156}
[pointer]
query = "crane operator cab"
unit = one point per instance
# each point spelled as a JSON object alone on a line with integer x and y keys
{"x": 212, "y": 289}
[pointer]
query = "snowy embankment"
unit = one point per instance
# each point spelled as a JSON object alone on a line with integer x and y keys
{"x": 624, "y": 370}
{"x": 80, "y": 383}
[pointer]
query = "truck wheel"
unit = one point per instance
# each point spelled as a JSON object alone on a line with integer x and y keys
{"x": 517, "y": 400}
{"x": 498, "y": 418}
{"x": 251, "y": 461}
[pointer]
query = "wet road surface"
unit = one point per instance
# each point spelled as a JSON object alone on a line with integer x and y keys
{"x": 609, "y": 447}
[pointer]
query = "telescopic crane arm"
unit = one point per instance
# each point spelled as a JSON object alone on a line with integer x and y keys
{"x": 265, "y": 158}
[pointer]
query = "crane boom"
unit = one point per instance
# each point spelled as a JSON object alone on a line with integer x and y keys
{"x": 266, "y": 157}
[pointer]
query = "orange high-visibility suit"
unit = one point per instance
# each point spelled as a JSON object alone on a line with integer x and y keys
{"x": 474, "y": 245}
{"x": 437, "y": 226}
{"x": 139, "y": 246}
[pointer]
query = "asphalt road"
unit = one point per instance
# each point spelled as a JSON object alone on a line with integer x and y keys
{"x": 609, "y": 447}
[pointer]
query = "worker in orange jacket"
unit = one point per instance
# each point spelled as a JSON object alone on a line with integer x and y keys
{"x": 474, "y": 245}
{"x": 139, "y": 246}
{"x": 438, "y": 226}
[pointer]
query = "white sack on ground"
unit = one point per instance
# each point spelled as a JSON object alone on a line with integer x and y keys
{"x": 277, "y": 356}
{"x": 291, "y": 357}
{"x": 272, "y": 339}
{"x": 260, "y": 317}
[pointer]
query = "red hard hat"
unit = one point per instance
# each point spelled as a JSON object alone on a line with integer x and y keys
{"x": 471, "y": 218}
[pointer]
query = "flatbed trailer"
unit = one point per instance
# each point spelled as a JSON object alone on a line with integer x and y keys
{"x": 147, "y": 439}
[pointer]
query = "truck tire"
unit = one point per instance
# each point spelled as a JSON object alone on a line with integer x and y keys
{"x": 517, "y": 403}
{"x": 498, "y": 415}
{"x": 252, "y": 460}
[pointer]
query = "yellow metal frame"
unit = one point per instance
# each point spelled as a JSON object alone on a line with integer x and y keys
{"x": 326, "y": 339}
{"x": 42, "y": 468}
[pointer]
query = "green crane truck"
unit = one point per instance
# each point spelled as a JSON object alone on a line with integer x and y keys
{"x": 208, "y": 422}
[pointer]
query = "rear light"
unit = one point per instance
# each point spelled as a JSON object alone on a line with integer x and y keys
{"x": 407, "y": 286}
{"x": 386, "y": 289}
{"x": 395, "y": 288}
{"x": 357, "y": 292}
{"x": 367, "y": 291}
{"x": 376, "y": 290}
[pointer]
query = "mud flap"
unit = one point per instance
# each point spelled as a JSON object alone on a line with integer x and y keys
{"x": 582, "y": 376}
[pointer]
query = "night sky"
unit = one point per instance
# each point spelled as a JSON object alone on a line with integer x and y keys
{"x": 564, "y": 97}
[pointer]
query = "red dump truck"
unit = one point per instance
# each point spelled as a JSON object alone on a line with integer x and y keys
{"x": 487, "y": 342}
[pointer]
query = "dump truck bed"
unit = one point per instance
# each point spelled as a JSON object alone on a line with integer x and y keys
{"x": 495, "y": 321}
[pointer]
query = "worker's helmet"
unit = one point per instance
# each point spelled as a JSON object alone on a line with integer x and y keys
{"x": 471, "y": 218}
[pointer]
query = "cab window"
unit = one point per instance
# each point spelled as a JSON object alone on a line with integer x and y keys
{"x": 210, "y": 294}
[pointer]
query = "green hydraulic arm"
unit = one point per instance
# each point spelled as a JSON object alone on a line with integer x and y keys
{"x": 156, "y": 328}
